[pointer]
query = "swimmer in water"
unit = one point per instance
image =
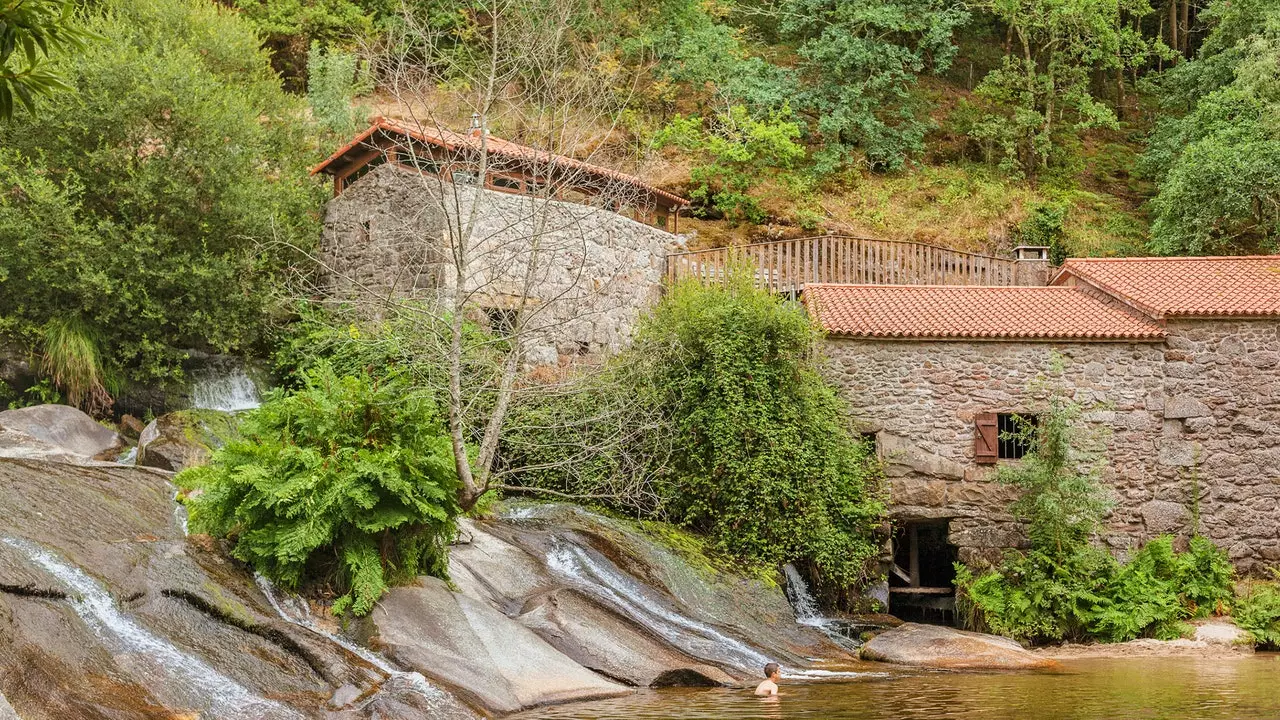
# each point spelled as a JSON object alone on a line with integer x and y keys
{"x": 772, "y": 674}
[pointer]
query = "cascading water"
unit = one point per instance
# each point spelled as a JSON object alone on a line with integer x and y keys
{"x": 294, "y": 611}
{"x": 805, "y": 607}
{"x": 595, "y": 575}
{"x": 226, "y": 387}
{"x": 174, "y": 677}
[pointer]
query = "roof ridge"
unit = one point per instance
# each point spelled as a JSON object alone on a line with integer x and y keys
{"x": 1168, "y": 258}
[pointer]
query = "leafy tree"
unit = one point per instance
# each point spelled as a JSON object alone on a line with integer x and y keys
{"x": 30, "y": 30}
{"x": 140, "y": 207}
{"x": 346, "y": 478}
{"x": 859, "y": 60}
{"x": 736, "y": 152}
{"x": 334, "y": 78}
{"x": 1217, "y": 166}
{"x": 1042, "y": 90}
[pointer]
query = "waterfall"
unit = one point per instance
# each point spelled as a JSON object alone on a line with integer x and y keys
{"x": 129, "y": 457}
{"x": 597, "y": 576}
{"x": 176, "y": 678}
{"x": 806, "y": 608}
{"x": 294, "y": 611}
{"x": 224, "y": 387}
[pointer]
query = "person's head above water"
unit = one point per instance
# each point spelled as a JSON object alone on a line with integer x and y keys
{"x": 772, "y": 669}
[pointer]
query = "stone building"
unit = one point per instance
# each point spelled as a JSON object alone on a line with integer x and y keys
{"x": 577, "y": 273}
{"x": 1176, "y": 362}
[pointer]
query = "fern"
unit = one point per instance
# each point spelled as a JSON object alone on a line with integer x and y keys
{"x": 345, "y": 476}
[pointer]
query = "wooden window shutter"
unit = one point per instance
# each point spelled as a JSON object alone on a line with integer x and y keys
{"x": 986, "y": 439}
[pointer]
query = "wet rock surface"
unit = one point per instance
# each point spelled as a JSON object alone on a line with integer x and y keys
{"x": 184, "y": 438}
{"x": 478, "y": 652}
{"x": 56, "y": 432}
{"x": 108, "y": 611}
{"x": 934, "y": 646}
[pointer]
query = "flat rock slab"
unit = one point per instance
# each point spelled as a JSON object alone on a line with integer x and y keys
{"x": 482, "y": 654}
{"x": 934, "y": 646}
{"x": 60, "y": 428}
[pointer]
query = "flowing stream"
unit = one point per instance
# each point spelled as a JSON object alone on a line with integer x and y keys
{"x": 294, "y": 611}
{"x": 176, "y": 678}
{"x": 597, "y": 576}
{"x": 226, "y": 387}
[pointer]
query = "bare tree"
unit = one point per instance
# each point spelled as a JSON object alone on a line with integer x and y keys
{"x": 519, "y": 235}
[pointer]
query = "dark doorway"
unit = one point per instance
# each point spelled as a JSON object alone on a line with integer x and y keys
{"x": 922, "y": 578}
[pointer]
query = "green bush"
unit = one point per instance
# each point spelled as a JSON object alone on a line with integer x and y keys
{"x": 152, "y": 205}
{"x": 1256, "y": 609}
{"x": 1065, "y": 587}
{"x": 733, "y": 433}
{"x": 347, "y": 480}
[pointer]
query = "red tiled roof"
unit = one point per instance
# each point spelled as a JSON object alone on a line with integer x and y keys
{"x": 972, "y": 312}
{"x": 1243, "y": 286}
{"x": 451, "y": 140}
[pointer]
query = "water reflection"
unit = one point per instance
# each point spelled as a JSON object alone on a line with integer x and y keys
{"x": 1232, "y": 688}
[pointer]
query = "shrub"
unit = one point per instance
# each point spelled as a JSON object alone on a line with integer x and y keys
{"x": 733, "y": 433}
{"x": 1257, "y": 610}
{"x": 346, "y": 479}
{"x": 73, "y": 363}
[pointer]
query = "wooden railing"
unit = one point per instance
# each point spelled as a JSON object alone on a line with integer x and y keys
{"x": 786, "y": 265}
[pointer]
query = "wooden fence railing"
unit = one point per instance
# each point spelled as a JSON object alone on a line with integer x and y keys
{"x": 786, "y": 265}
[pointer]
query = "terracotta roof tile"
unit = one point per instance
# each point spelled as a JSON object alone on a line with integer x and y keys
{"x": 973, "y": 312}
{"x": 1244, "y": 286}
{"x": 497, "y": 146}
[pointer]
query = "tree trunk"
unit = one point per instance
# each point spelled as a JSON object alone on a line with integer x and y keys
{"x": 1173, "y": 25}
{"x": 1184, "y": 39}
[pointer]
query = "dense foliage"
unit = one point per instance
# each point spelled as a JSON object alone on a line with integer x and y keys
{"x": 1256, "y": 609}
{"x": 744, "y": 441}
{"x": 138, "y": 206}
{"x": 1218, "y": 164}
{"x": 29, "y": 32}
{"x": 347, "y": 478}
{"x": 1066, "y": 587}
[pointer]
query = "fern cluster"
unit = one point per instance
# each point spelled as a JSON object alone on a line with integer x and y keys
{"x": 346, "y": 479}
{"x": 1256, "y": 610}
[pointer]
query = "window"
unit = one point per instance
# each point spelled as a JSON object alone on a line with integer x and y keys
{"x": 502, "y": 321}
{"x": 1002, "y": 436}
{"x": 1014, "y": 435}
{"x": 366, "y": 230}
{"x": 465, "y": 177}
{"x": 869, "y": 439}
{"x": 506, "y": 183}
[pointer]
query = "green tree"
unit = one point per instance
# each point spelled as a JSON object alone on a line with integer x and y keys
{"x": 859, "y": 60}
{"x": 1042, "y": 91}
{"x": 30, "y": 30}
{"x": 142, "y": 208}
{"x": 1216, "y": 160}
{"x": 348, "y": 478}
{"x": 734, "y": 154}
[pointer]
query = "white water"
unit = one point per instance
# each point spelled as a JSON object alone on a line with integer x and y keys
{"x": 226, "y": 388}
{"x": 130, "y": 456}
{"x": 599, "y": 577}
{"x": 294, "y": 611}
{"x": 806, "y": 608}
{"x": 177, "y": 679}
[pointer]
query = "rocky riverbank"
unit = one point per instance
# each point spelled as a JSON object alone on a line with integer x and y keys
{"x": 111, "y": 611}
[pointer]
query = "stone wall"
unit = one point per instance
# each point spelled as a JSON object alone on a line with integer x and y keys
{"x": 1184, "y": 422}
{"x": 589, "y": 271}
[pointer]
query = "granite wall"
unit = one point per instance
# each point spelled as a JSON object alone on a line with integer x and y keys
{"x": 588, "y": 271}
{"x": 1188, "y": 425}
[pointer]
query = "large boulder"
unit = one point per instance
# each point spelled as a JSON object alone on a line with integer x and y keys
{"x": 934, "y": 646}
{"x": 185, "y": 438}
{"x": 56, "y": 432}
{"x": 483, "y": 655}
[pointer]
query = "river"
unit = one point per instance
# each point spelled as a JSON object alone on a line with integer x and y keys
{"x": 1232, "y": 688}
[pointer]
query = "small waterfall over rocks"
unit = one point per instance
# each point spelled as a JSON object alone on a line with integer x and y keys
{"x": 597, "y": 576}
{"x": 802, "y": 602}
{"x": 177, "y": 678}
{"x": 294, "y": 610}
{"x": 224, "y": 386}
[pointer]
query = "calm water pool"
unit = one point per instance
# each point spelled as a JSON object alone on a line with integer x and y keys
{"x": 1235, "y": 688}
